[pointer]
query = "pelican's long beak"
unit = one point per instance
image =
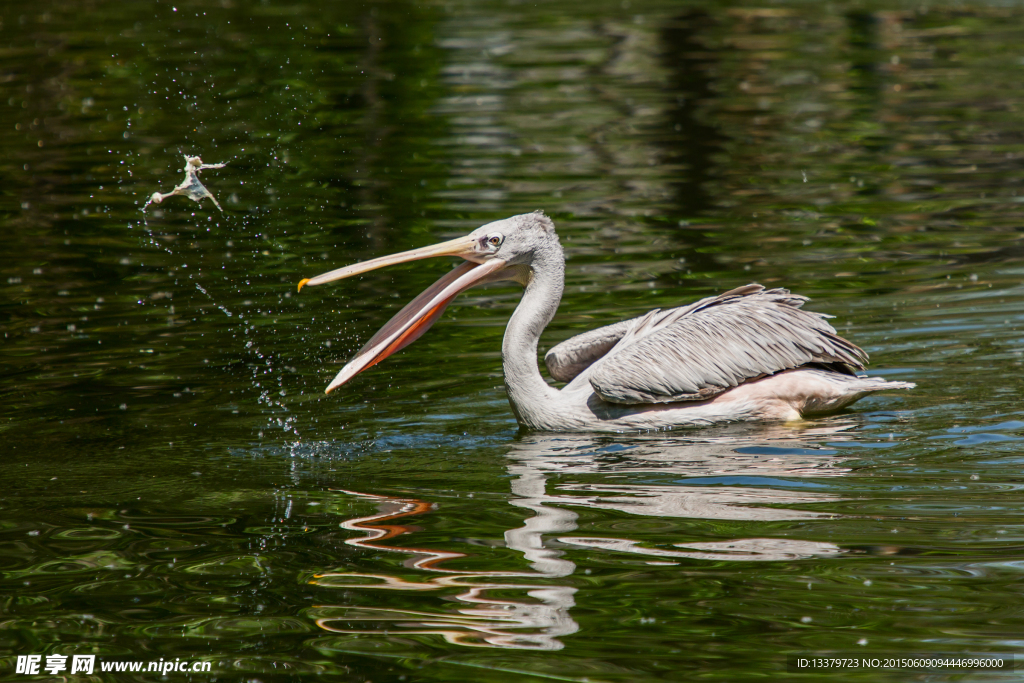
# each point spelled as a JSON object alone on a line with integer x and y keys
{"x": 411, "y": 322}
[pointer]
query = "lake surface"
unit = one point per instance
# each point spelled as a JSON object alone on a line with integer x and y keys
{"x": 177, "y": 485}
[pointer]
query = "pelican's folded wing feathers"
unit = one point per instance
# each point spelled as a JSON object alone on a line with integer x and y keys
{"x": 571, "y": 357}
{"x": 698, "y": 351}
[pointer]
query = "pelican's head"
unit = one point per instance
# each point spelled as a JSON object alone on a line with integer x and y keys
{"x": 517, "y": 240}
{"x": 502, "y": 250}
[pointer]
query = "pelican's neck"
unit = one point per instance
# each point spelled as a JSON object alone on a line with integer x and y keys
{"x": 531, "y": 397}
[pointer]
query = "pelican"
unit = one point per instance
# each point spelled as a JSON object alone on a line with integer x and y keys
{"x": 748, "y": 354}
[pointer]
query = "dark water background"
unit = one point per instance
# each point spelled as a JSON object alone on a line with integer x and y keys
{"x": 175, "y": 484}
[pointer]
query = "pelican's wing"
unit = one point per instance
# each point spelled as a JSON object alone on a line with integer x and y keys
{"x": 576, "y": 354}
{"x": 569, "y": 358}
{"x": 698, "y": 351}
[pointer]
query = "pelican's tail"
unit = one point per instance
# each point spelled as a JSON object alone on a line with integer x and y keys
{"x": 845, "y": 389}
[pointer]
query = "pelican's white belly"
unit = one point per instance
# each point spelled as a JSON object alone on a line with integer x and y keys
{"x": 787, "y": 395}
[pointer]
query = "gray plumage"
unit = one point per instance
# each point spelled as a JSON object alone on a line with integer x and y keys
{"x": 695, "y": 352}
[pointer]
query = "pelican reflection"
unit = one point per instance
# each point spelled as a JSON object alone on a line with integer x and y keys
{"x": 552, "y": 477}
{"x": 480, "y": 620}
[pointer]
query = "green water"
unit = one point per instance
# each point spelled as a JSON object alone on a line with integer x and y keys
{"x": 176, "y": 485}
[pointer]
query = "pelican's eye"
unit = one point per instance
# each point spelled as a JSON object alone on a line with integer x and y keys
{"x": 494, "y": 241}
